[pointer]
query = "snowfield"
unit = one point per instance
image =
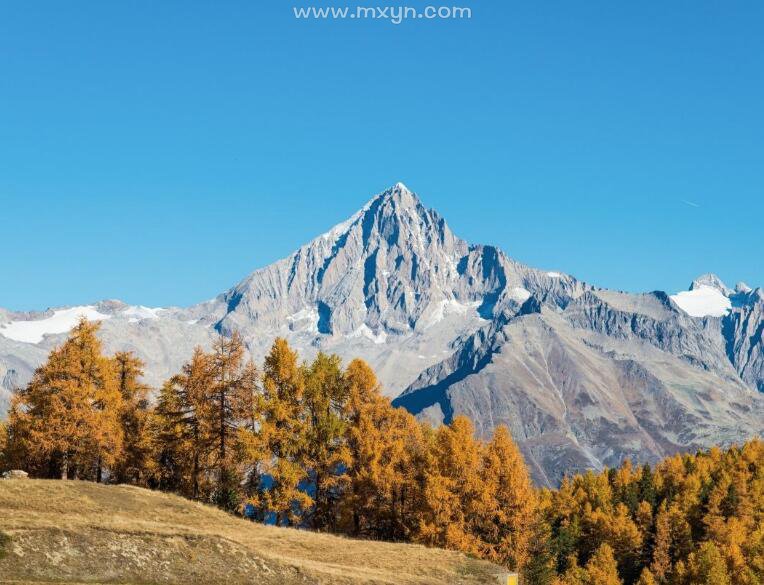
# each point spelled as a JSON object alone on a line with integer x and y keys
{"x": 61, "y": 321}
{"x": 139, "y": 312}
{"x": 704, "y": 301}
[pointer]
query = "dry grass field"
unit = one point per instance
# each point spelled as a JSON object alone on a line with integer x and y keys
{"x": 77, "y": 532}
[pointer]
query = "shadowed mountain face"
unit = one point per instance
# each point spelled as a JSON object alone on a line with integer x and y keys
{"x": 583, "y": 377}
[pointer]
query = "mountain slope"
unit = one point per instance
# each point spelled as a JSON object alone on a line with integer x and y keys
{"x": 71, "y": 531}
{"x": 583, "y": 376}
{"x": 591, "y": 385}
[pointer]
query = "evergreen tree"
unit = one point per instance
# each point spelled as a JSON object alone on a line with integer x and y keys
{"x": 541, "y": 566}
{"x": 646, "y": 486}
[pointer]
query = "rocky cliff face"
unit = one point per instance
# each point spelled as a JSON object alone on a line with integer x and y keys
{"x": 742, "y": 331}
{"x": 584, "y": 377}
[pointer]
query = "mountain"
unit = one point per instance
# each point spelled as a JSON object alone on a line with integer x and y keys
{"x": 583, "y": 376}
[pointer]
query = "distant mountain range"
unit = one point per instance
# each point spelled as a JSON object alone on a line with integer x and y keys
{"x": 584, "y": 377}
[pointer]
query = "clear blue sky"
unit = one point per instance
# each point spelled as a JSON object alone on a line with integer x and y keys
{"x": 158, "y": 152}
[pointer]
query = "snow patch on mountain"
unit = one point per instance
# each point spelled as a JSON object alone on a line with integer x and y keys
{"x": 139, "y": 313}
{"x": 303, "y": 316}
{"x": 60, "y": 321}
{"x": 520, "y": 294}
{"x": 703, "y": 301}
{"x": 449, "y": 307}
{"x": 365, "y": 331}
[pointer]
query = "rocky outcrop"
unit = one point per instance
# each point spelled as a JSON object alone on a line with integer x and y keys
{"x": 15, "y": 474}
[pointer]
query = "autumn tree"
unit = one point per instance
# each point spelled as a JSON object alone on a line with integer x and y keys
{"x": 455, "y": 489}
{"x": 393, "y": 486}
{"x": 247, "y": 402}
{"x": 706, "y": 565}
{"x": 135, "y": 463}
{"x": 646, "y": 578}
{"x": 66, "y": 421}
{"x": 4, "y": 458}
{"x": 277, "y": 445}
{"x": 386, "y": 449}
{"x": 602, "y": 568}
{"x": 326, "y": 456}
{"x": 183, "y": 429}
{"x": 574, "y": 574}
{"x": 508, "y": 503}
{"x": 228, "y": 397}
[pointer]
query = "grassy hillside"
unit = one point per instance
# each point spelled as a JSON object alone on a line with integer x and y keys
{"x": 80, "y": 532}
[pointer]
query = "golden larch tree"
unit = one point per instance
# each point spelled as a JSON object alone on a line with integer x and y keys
{"x": 66, "y": 421}
{"x": 326, "y": 457}
{"x": 508, "y": 503}
{"x": 280, "y": 436}
{"x": 135, "y": 463}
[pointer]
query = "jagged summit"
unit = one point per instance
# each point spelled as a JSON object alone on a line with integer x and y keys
{"x": 394, "y": 268}
{"x": 711, "y": 280}
{"x": 395, "y": 201}
{"x": 381, "y": 270}
{"x": 398, "y": 193}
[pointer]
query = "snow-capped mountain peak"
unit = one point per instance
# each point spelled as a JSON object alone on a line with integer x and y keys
{"x": 742, "y": 288}
{"x": 711, "y": 280}
{"x": 708, "y": 296}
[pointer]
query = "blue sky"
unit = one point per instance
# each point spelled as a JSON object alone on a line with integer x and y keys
{"x": 158, "y": 152}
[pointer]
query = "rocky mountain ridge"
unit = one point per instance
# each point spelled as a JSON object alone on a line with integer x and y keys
{"x": 583, "y": 376}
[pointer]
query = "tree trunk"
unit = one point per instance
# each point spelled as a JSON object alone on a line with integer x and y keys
{"x": 319, "y": 508}
{"x": 196, "y": 475}
{"x": 222, "y": 433}
{"x": 65, "y": 466}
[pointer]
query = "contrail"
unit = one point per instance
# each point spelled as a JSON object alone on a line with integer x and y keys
{"x": 690, "y": 203}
